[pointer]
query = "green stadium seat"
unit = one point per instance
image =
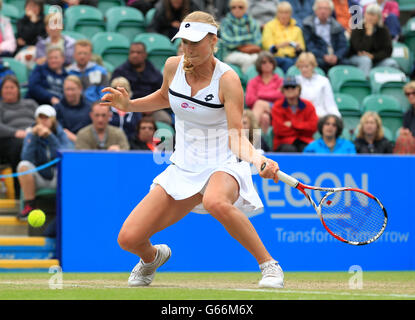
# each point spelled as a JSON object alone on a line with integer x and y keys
{"x": 149, "y": 16}
{"x": 105, "y": 5}
{"x": 388, "y": 134}
{"x": 19, "y": 69}
{"x": 241, "y": 75}
{"x": 128, "y": 21}
{"x": 403, "y": 56}
{"x": 347, "y": 104}
{"x": 252, "y": 73}
{"x": 269, "y": 138}
{"x": 158, "y": 47}
{"x": 349, "y": 79}
{"x": 408, "y": 31}
{"x": 18, "y": 4}
{"x": 84, "y": 19}
{"x": 166, "y": 133}
{"x": 13, "y": 13}
{"x": 74, "y": 35}
{"x": 112, "y": 47}
{"x": 389, "y": 81}
{"x": 108, "y": 66}
{"x": 406, "y": 5}
{"x": 294, "y": 71}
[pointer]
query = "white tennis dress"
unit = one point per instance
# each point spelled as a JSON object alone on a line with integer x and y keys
{"x": 202, "y": 144}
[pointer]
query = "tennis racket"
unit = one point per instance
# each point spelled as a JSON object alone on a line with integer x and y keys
{"x": 351, "y": 215}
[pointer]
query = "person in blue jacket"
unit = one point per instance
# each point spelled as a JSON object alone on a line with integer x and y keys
{"x": 46, "y": 80}
{"x": 40, "y": 147}
{"x": 330, "y": 128}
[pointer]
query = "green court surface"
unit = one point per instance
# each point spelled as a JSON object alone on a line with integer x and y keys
{"x": 208, "y": 286}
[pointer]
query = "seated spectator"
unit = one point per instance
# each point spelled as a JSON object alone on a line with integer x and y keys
{"x": 283, "y": 38}
{"x": 330, "y": 128}
{"x": 54, "y": 38}
{"x": 46, "y": 80}
{"x": 263, "y": 90}
{"x": 93, "y": 76}
{"x": 72, "y": 112}
{"x": 126, "y": 121}
{"x": 371, "y": 46}
{"x": 31, "y": 25}
{"x": 16, "y": 115}
{"x": 390, "y": 15}
{"x": 405, "y": 143}
{"x": 39, "y": 147}
{"x": 324, "y": 36}
{"x": 7, "y": 38}
{"x": 294, "y": 120}
{"x": 143, "y": 76}
{"x": 143, "y": 138}
{"x": 253, "y": 132}
{"x": 100, "y": 135}
{"x": 263, "y": 11}
{"x": 301, "y": 10}
{"x": 241, "y": 35}
{"x": 143, "y": 5}
{"x": 315, "y": 87}
{"x": 370, "y": 138}
{"x": 169, "y": 14}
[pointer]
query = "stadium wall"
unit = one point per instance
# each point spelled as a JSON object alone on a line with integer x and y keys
{"x": 98, "y": 190}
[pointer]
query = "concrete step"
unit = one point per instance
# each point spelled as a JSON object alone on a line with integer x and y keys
{"x": 9, "y": 206}
{"x": 27, "y": 265}
{"x": 10, "y": 225}
{"x": 27, "y": 248}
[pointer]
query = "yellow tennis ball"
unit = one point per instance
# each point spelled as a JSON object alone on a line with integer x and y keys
{"x": 36, "y": 218}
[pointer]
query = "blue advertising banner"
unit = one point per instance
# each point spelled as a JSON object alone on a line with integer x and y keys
{"x": 98, "y": 190}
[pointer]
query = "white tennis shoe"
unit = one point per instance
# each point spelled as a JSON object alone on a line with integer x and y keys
{"x": 272, "y": 275}
{"x": 143, "y": 273}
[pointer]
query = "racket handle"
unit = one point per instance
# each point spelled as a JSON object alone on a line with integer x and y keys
{"x": 291, "y": 181}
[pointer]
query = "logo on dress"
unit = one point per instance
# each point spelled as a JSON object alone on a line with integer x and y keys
{"x": 209, "y": 97}
{"x": 187, "y": 25}
{"x": 185, "y": 105}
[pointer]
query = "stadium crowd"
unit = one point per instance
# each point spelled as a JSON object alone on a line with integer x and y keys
{"x": 285, "y": 52}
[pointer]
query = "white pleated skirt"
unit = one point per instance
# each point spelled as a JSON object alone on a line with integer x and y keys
{"x": 181, "y": 184}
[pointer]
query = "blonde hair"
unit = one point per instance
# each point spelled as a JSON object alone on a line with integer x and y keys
{"x": 122, "y": 82}
{"x": 203, "y": 17}
{"x": 245, "y": 2}
{"x": 83, "y": 43}
{"x": 284, "y": 5}
{"x": 409, "y": 85}
{"x": 375, "y": 9}
{"x": 379, "y": 133}
{"x": 317, "y": 2}
{"x": 75, "y": 80}
{"x": 307, "y": 57}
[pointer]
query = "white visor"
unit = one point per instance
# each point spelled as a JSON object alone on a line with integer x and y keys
{"x": 194, "y": 31}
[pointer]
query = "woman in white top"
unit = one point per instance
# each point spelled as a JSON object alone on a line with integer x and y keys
{"x": 206, "y": 175}
{"x": 315, "y": 87}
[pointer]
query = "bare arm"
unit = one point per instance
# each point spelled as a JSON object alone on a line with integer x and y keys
{"x": 233, "y": 98}
{"x": 157, "y": 100}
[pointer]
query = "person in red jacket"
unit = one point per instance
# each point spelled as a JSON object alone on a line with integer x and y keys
{"x": 294, "y": 120}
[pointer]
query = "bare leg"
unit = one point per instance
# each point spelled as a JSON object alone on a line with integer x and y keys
{"x": 222, "y": 191}
{"x": 154, "y": 213}
{"x": 27, "y": 184}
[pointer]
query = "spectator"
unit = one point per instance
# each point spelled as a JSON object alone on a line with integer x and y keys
{"x": 16, "y": 115}
{"x": 100, "y": 135}
{"x": 282, "y": 37}
{"x": 93, "y": 76}
{"x": 342, "y": 14}
{"x": 405, "y": 143}
{"x": 253, "y": 132}
{"x": 263, "y": 90}
{"x": 126, "y": 121}
{"x": 39, "y": 147}
{"x": 371, "y": 46}
{"x": 217, "y": 8}
{"x": 390, "y": 16}
{"x": 370, "y": 138}
{"x": 143, "y": 5}
{"x": 31, "y": 25}
{"x": 72, "y": 112}
{"x": 143, "y": 138}
{"x": 315, "y": 87}
{"x": 46, "y": 80}
{"x": 330, "y": 128}
{"x": 301, "y": 10}
{"x": 169, "y": 14}
{"x": 263, "y": 11}
{"x": 7, "y": 38}
{"x": 294, "y": 119}
{"x": 324, "y": 36}
{"x": 241, "y": 35}
{"x": 54, "y": 27}
{"x": 143, "y": 77}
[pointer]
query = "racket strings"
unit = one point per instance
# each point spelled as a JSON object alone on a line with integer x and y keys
{"x": 353, "y": 216}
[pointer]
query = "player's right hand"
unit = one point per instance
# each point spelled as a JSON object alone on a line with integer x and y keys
{"x": 117, "y": 98}
{"x": 268, "y": 169}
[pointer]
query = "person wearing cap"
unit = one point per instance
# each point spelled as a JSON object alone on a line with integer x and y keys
{"x": 211, "y": 170}
{"x": 40, "y": 147}
{"x": 294, "y": 120}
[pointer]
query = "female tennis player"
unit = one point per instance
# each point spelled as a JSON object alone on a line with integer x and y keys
{"x": 211, "y": 162}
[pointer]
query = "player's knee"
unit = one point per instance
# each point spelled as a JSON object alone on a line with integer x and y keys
{"x": 127, "y": 240}
{"x": 217, "y": 207}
